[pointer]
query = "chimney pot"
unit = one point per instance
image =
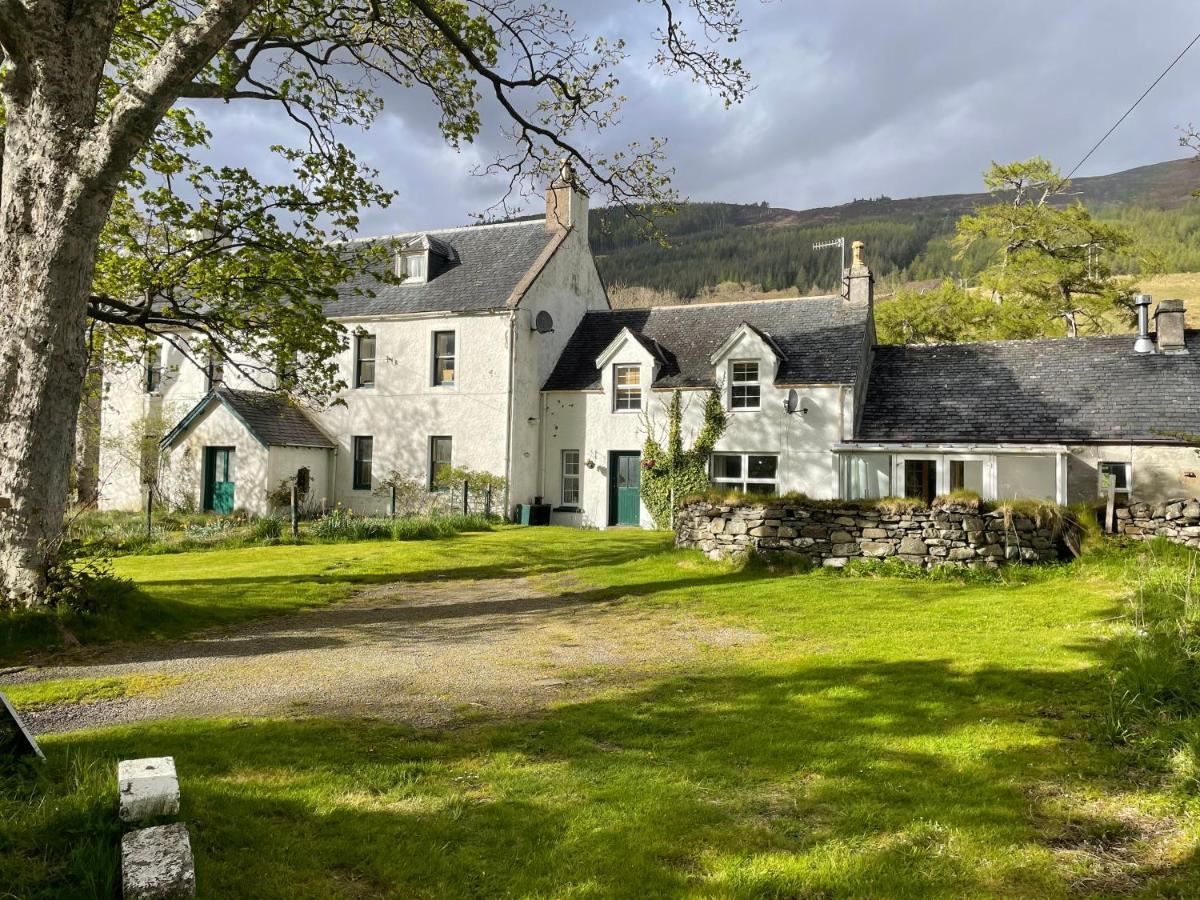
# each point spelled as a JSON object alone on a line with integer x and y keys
{"x": 1143, "y": 344}
{"x": 1168, "y": 327}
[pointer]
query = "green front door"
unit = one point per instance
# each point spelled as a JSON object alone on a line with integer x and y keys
{"x": 625, "y": 495}
{"x": 218, "y": 480}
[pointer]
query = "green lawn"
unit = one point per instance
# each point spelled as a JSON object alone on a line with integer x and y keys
{"x": 887, "y": 737}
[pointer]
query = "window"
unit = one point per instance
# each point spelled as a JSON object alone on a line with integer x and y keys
{"x": 363, "y": 449}
{"x": 443, "y": 358}
{"x": 628, "y": 383}
{"x": 439, "y": 461}
{"x": 214, "y": 373}
{"x": 411, "y": 266}
{"x": 744, "y": 391}
{"x": 364, "y": 361}
{"x": 751, "y": 473}
{"x": 153, "y": 369}
{"x": 570, "y": 478}
{"x": 1114, "y": 476}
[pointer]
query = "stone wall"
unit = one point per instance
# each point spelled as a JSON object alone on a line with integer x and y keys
{"x": 1176, "y": 520}
{"x": 941, "y": 535}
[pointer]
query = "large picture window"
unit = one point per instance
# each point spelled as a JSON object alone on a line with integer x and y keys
{"x": 440, "y": 455}
{"x": 751, "y": 473}
{"x": 744, "y": 390}
{"x": 570, "y": 478}
{"x": 627, "y": 381}
{"x": 444, "y": 358}
{"x": 364, "y": 448}
{"x": 364, "y": 361}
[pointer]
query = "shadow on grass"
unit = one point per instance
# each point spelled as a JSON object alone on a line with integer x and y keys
{"x": 172, "y": 607}
{"x": 901, "y": 778}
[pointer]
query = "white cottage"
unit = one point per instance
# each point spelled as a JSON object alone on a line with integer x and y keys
{"x": 499, "y": 352}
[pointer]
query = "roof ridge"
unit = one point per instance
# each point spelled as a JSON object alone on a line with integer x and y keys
{"x": 455, "y": 229}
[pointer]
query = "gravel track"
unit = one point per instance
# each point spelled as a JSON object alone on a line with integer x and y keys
{"x": 422, "y": 654}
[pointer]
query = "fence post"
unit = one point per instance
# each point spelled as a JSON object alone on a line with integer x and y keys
{"x": 149, "y": 510}
{"x": 487, "y": 503}
{"x": 466, "y": 495}
{"x": 295, "y": 511}
{"x": 392, "y": 505}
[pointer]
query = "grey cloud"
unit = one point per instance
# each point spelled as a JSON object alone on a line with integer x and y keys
{"x": 851, "y": 100}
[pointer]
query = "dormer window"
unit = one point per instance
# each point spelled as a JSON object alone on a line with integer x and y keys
{"x": 413, "y": 267}
{"x": 744, "y": 389}
{"x": 627, "y": 384}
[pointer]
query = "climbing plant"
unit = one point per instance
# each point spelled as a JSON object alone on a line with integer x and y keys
{"x": 670, "y": 472}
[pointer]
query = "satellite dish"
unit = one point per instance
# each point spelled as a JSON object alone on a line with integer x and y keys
{"x": 543, "y": 323}
{"x": 792, "y": 401}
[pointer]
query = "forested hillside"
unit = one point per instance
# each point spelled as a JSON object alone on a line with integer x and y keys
{"x": 771, "y": 248}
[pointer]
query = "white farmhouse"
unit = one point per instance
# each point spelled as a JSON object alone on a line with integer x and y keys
{"x": 499, "y": 353}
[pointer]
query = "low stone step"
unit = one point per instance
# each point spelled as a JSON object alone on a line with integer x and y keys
{"x": 157, "y": 864}
{"x": 148, "y": 788}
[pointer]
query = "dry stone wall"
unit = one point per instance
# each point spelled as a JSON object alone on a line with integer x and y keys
{"x": 933, "y": 536}
{"x": 1175, "y": 520}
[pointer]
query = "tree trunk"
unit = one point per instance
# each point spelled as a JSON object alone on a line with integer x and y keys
{"x": 49, "y": 230}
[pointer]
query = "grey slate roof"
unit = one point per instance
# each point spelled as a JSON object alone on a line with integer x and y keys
{"x": 821, "y": 340}
{"x": 271, "y": 419}
{"x": 1035, "y": 391}
{"x": 488, "y": 262}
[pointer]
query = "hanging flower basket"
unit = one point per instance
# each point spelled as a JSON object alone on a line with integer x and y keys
{"x": 647, "y": 463}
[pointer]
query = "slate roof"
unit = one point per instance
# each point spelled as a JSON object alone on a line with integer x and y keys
{"x": 1035, "y": 391}
{"x": 820, "y": 339}
{"x": 271, "y": 419}
{"x": 487, "y": 263}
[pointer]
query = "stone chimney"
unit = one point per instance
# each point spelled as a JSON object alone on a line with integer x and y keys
{"x": 860, "y": 283}
{"x": 1168, "y": 327}
{"x": 567, "y": 202}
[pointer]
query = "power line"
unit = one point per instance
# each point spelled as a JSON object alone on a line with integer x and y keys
{"x": 1135, "y": 105}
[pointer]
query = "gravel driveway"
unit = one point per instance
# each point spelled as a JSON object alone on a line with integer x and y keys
{"x": 424, "y": 654}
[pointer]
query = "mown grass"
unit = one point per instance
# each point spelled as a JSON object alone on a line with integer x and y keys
{"x": 887, "y": 737}
{"x": 169, "y": 597}
{"x": 77, "y": 691}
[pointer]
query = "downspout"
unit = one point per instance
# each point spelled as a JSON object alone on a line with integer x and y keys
{"x": 333, "y": 484}
{"x": 541, "y": 479}
{"x": 508, "y": 448}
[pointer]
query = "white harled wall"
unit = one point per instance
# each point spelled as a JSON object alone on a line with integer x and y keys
{"x": 585, "y": 420}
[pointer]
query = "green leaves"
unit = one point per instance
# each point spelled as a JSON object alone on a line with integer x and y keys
{"x": 673, "y": 472}
{"x": 1052, "y": 258}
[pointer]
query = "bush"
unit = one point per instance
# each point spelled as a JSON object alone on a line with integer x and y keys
{"x": 268, "y": 528}
{"x": 343, "y": 525}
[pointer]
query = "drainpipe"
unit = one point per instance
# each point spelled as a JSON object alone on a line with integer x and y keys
{"x": 333, "y": 484}
{"x": 508, "y": 438}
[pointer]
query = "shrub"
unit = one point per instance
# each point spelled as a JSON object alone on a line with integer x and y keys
{"x": 342, "y": 524}
{"x": 267, "y": 528}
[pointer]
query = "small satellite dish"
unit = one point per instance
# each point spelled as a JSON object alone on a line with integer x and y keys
{"x": 792, "y": 401}
{"x": 543, "y": 322}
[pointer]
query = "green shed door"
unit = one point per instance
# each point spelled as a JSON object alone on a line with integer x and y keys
{"x": 625, "y": 495}
{"x": 218, "y": 479}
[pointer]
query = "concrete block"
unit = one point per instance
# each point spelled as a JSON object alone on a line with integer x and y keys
{"x": 148, "y": 788}
{"x": 156, "y": 863}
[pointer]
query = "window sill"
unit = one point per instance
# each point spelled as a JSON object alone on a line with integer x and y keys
{"x": 567, "y": 509}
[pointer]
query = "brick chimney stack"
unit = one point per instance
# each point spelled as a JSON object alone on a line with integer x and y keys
{"x": 1168, "y": 327}
{"x": 860, "y": 283}
{"x": 567, "y": 202}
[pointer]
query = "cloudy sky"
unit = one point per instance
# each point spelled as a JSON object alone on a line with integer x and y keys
{"x": 850, "y": 100}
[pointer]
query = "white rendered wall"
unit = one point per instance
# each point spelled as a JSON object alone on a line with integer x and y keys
{"x": 183, "y": 472}
{"x": 586, "y": 421}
